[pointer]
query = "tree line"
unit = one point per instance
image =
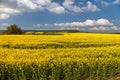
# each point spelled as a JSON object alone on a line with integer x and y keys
{"x": 15, "y": 29}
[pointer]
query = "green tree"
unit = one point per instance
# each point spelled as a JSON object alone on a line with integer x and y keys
{"x": 13, "y": 29}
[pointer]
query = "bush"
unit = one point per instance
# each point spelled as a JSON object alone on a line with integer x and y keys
{"x": 13, "y": 29}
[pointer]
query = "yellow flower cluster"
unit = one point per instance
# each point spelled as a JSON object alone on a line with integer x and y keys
{"x": 72, "y": 56}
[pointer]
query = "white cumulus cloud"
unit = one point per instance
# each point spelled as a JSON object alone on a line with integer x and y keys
{"x": 69, "y": 4}
{"x": 88, "y": 22}
{"x": 56, "y": 8}
{"x": 4, "y": 16}
{"x": 13, "y": 7}
{"x": 90, "y": 7}
{"x": 99, "y": 24}
{"x": 116, "y": 2}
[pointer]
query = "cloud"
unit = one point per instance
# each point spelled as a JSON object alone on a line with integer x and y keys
{"x": 100, "y": 24}
{"x": 114, "y": 28}
{"x": 37, "y": 25}
{"x": 3, "y": 26}
{"x": 13, "y": 7}
{"x": 116, "y": 2}
{"x": 7, "y": 8}
{"x": 104, "y": 22}
{"x": 118, "y": 21}
{"x": 69, "y": 28}
{"x": 103, "y": 28}
{"x": 27, "y": 4}
{"x": 94, "y": 29}
{"x": 69, "y": 5}
{"x": 90, "y": 7}
{"x": 104, "y": 3}
{"x": 88, "y": 22}
{"x": 4, "y": 16}
{"x": 56, "y": 8}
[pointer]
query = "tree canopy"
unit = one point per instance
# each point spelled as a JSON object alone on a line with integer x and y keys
{"x": 13, "y": 29}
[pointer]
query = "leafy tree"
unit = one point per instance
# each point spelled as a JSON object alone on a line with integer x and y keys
{"x": 13, "y": 29}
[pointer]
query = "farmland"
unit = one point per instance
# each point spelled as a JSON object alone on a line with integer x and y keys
{"x": 70, "y": 56}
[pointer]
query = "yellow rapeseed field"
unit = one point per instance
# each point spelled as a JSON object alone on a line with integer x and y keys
{"x": 71, "y": 56}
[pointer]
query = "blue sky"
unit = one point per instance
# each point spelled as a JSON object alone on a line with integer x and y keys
{"x": 84, "y": 15}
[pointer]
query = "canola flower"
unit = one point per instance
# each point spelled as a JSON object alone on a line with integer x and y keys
{"x": 72, "y": 56}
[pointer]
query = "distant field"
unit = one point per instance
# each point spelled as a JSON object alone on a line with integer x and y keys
{"x": 70, "y": 56}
